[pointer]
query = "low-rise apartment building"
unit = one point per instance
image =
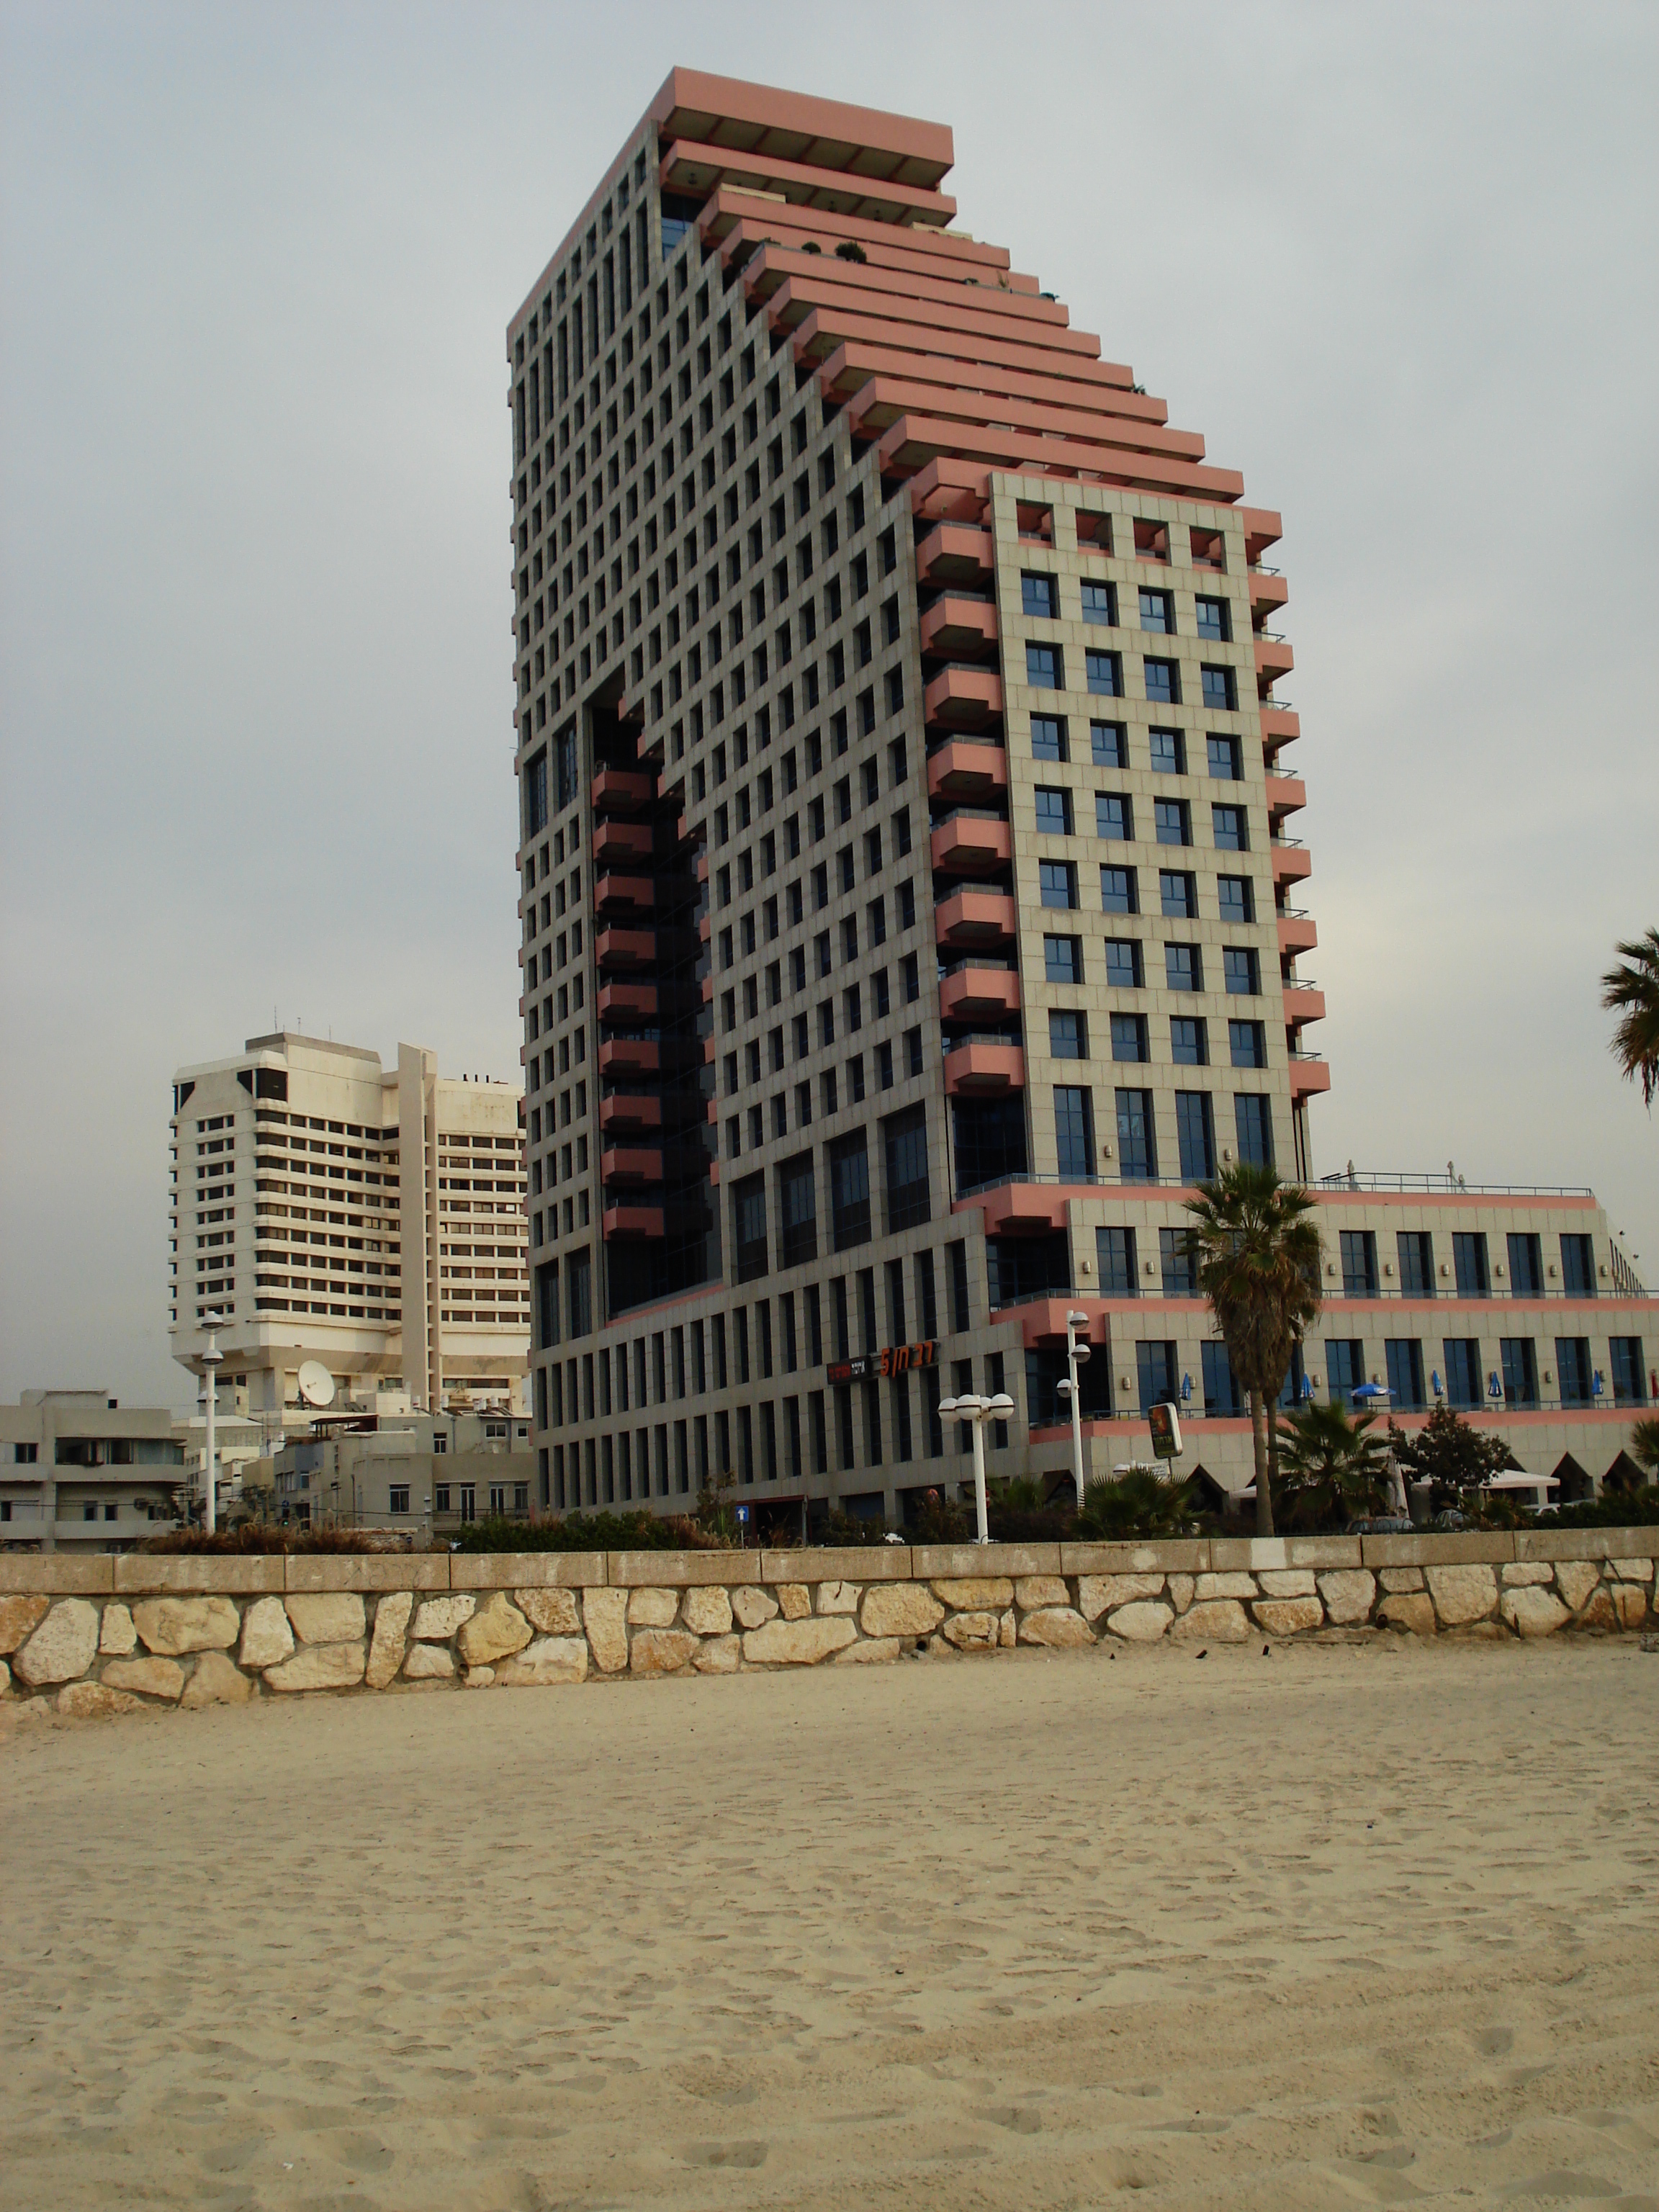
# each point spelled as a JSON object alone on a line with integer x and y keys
{"x": 419, "y": 1474}
{"x": 80, "y": 1470}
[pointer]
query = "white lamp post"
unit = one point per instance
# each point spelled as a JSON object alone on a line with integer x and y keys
{"x": 1076, "y": 1354}
{"x": 978, "y": 1411}
{"x": 212, "y": 1359}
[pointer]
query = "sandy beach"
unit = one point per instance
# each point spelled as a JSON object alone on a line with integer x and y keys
{"x": 1341, "y": 1925}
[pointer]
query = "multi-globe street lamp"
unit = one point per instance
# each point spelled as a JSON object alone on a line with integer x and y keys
{"x": 977, "y": 1411}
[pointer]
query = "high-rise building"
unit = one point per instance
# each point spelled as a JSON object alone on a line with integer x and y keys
{"x": 367, "y": 1220}
{"x": 911, "y": 906}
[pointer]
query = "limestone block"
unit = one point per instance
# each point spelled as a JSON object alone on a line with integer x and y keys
{"x": 429, "y": 1663}
{"x": 794, "y": 1600}
{"x": 1232, "y": 1585}
{"x": 5, "y": 1679}
{"x": 1140, "y": 1622}
{"x": 753, "y": 1607}
{"x": 1061, "y": 1627}
{"x": 172, "y": 1626}
{"x": 116, "y": 1635}
{"x": 797, "y": 1643}
{"x": 319, "y": 1667}
{"x": 1632, "y": 1571}
{"x": 325, "y": 1616}
{"x": 873, "y": 1652}
{"x": 553, "y": 1612}
{"x": 651, "y": 1608}
{"x": 663, "y": 1650}
{"x": 1349, "y": 1593}
{"x": 61, "y": 1647}
{"x": 385, "y": 1650}
{"x": 1033, "y": 1591}
{"x": 549, "y": 1659}
{"x": 900, "y": 1609}
{"x": 1461, "y": 1594}
{"x": 1213, "y": 1620}
{"x": 1008, "y": 1630}
{"x": 1411, "y": 1609}
{"x": 1532, "y": 1611}
{"x": 707, "y": 1611}
{"x": 1598, "y": 1612}
{"x": 479, "y": 1677}
{"x": 91, "y": 1701}
{"x": 1402, "y": 1578}
{"x": 1288, "y": 1582}
{"x": 1576, "y": 1579}
{"x": 839, "y": 1597}
{"x": 971, "y": 1631}
{"x": 720, "y": 1655}
{"x": 1526, "y": 1574}
{"x": 605, "y": 1616}
{"x": 495, "y": 1632}
{"x": 1098, "y": 1594}
{"x": 266, "y": 1636}
{"x": 216, "y": 1681}
{"x": 975, "y": 1593}
{"x": 19, "y": 1616}
{"x": 1630, "y": 1602}
{"x": 1181, "y": 1591}
{"x": 1288, "y": 1616}
{"x": 150, "y": 1678}
{"x": 437, "y": 1618}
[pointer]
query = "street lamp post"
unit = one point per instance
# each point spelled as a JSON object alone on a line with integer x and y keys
{"x": 1076, "y": 1354}
{"x": 212, "y": 1359}
{"x": 977, "y": 1411}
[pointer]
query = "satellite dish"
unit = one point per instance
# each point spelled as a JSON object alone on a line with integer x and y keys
{"x": 316, "y": 1384}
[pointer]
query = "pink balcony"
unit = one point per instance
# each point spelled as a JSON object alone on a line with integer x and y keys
{"x": 629, "y": 1221}
{"x": 1268, "y": 593}
{"x": 956, "y": 553}
{"x": 1274, "y": 658}
{"x": 625, "y": 948}
{"x": 963, "y": 698}
{"x": 620, "y": 1114}
{"x": 620, "y": 843}
{"x": 1303, "y": 1003}
{"x": 1291, "y": 862}
{"x": 1307, "y": 1076}
{"x": 971, "y": 845}
{"x": 975, "y": 918}
{"x": 624, "y": 1057}
{"x": 979, "y": 1070}
{"x": 1043, "y": 1322}
{"x": 1286, "y": 794}
{"x": 1280, "y": 726}
{"x": 969, "y": 771}
{"x": 979, "y": 994}
{"x": 1297, "y": 932}
{"x": 628, "y": 1002}
{"x": 1023, "y": 1209}
{"x": 621, "y": 790}
{"x": 624, "y": 894}
{"x": 631, "y": 1165}
{"x": 959, "y": 629}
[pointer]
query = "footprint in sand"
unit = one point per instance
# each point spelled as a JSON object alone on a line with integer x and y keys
{"x": 731, "y": 2154}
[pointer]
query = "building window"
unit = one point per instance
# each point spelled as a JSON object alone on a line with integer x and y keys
{"x": 1038, "y": 595}
{"x": 1169, "y": 751}
{"x": 397, "y": 1497}
{"x": 1256, "y": 1130}
{"x": 1236, "y": 898}
{"x": 1220, "y": 690}
{"x": 908, "y": 1202}
{"x": 1179, "y": 1263}
{"x": 1225, "y": 759}
{"x": 1114, "y": 816}
{"x": 1118, "y": 893}
{"x": 1404, "y": 1358}
{"x": 1062, "y": 959}
{"x": 1222, "y": 1395}
{"x": 1172, "y": 822}
{"x": 1214, "y": 619}
{"x": 1345, "y": 1368}
{"x": 1572, "y": 1367}
{"x": 1183, "y": 968}
{"x": 1042, "y": 668}
{"x": 1066, "y": 1036}
{"x": 1232, "y": 833}
{"x": 1158, "y": 612}
{"x": 1163, "y": 682}
{"x": 1158, "y": 1374}
{"x": 1100, "y": 603}
{"x": 1137, "y": 1151}
{"x": 1520, "y": 1366}
{"x": 849, "y": 1191}
{"x": 1469, "y": 1263}
{"x": 1115, "y": 1256}
{"x": 1462, "y": 1358}
{"x": 1057, "y": 882}
{"x": 1074, "y": 1137}
{"x": 1579, "y": 1267}
{"x": 749, "y": 1227}
{"x": 440, "y": 1498}
{"x": 1525, "y": 1265}
{"x": 1358, "y": 1254}
{"x": 1188, "y": 1043}
{"x": 1178, "y": 894}
{"x": 1048, "y": 737}
{"x": 1241, "y": 971}
{"x": 1123, "y": 970}
{"x": 798, "y": 1207}
{"x": 1104, "y": 674}
{"x": 1624, "y": 1357}
{"x": 1108, "y": 745}
{"x": 1246, "y": 1042}
{"x": 1054, "y": 811}
{"x": 1415, "y": 1247}
{"x": 1129, "y": 1037}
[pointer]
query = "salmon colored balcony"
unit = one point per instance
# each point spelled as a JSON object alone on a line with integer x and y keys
{"x": 959, "y": 628}
{"x": 621, "y": 791}
{"x": 631, "y": 1164}
{"x": 1303, "y": 1002}
{"x": 622, "y": 1056}
{"x": 969, "y": 919}
{"x": 1043, "y": 1321}
{"x": 1269, "y": 592}
{"x": 968, "y": 771}
{"x": 625, "y": 948}
{"x": 1308, "y": 1074}
{"x": 979, "y": 994}
{"x": 627, "y": 1002}
{"x": 1022, "y": 1209}
{"x": 956, "y": 553}
{"x": 1274, "y": 658}
{"x": 971, "y": 844}
{"x": 1280, "y": 726}
{"x": 633, "y": 1221}
{"x": 963, "y": 698}
{"x": 1286, "y": 794}
{"x": 981, "y": 1069}
{"x": 1297, "y": 932}
{"x": 620, "y": 1116}
{"x": 1292, "y": 861}
{"x": 623, "y": 842}
{"x": 615, "y": 895}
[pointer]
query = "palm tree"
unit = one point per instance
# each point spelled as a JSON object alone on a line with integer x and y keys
{"x": 1644, "y": 1444}
{"x": 1256, "y": 1244}
{"x": 1632, "y": 992}
{"x": 1333, "y": 1466}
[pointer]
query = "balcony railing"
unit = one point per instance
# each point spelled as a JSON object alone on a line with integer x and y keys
{"x": 1366, "y": 1178}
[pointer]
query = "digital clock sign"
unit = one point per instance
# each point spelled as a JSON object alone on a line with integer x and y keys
{"x": 891, "y": 1359}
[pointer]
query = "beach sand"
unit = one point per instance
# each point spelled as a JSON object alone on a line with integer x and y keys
{"x": 1343, "y": 1926}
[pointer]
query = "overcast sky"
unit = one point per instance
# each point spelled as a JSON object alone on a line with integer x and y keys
{"x": 1398, "y": 265}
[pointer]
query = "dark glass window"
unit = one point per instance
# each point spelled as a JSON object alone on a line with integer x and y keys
{"x": 1572, "y": 1367}
{"x": 908, "y": 1202}
{"x": 1100, "y": 603}
{"x": 1062, "y": 959}
{"x": 798, "y": 1207}
{"x": 1232, "y": 829}
{"x": 1469, "y": 1263}
{"x": 1129, "y": 1037}
{"x": 1358, "y": 1253}
{"x": 1108, "y": 745}
{"x": 1463, "y": 1357}
{"x": 1519, "y": 1365}
{"x": 1246, "y": 1043}
{"x": 1123, "y": 970}
{"x": 1048, "y": 737}
{"x": 1172, "y": 822}
{"x": 1074, "y": 1136}
{"x": 1195, "y": 1135}
{"x": 1054, "y": 811}
{"x": 1222, "y": 1395}
{"x": 1579, "y": 1267}
{"x": 1169, "y": 751}
{"x": 1345, "y": 1368}
{"x": 1157, "y": 1373}
{"x": 1104, "y": 672}
{"x": 1115, "y": 1256}
{"x": 1416, "y": 1251}
{"x": 1525, "y": 1265}
{"x": 1179, "y": 1263}
{"x": 1067, "y": 1036}
{"x": 1038, "y": 595}
{"x": 1241, "y": 972}
{"x": 1158, "y": 612}
{"x": 1256, "y": 1130}
{"x": 1178, "y": 894}
{"x": 1625, "y": 1357}
{"x": 1188, "y": 1045}
{"x": 1183, "y": 968}
{"x": 1114, "y": 816}
{"x": 1042, "y": 668}
{"x": 1163, "y": 682}
{"x": 1214, "y": 619}
{"x": 1405, "y": 1357}
{"x": 1236, "y": 898}
{"x": 849, "y": 1191}
{"x": 1118, "y": 892}
{"x": 1224, "y": 761}
{"x": 749, "y": 1226}
{"x": 1220, "y": 690}
{"x": 1057, "y": 882}
{"x": 1137, "y": 1149}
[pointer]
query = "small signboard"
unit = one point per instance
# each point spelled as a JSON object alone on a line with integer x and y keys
{"x": 1164, "y": 1423}
{"x": 743, "y": 1516}
{"x": 891, "y": 1359}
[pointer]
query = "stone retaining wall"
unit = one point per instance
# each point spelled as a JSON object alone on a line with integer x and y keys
{"x": 87, "y": 1636}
